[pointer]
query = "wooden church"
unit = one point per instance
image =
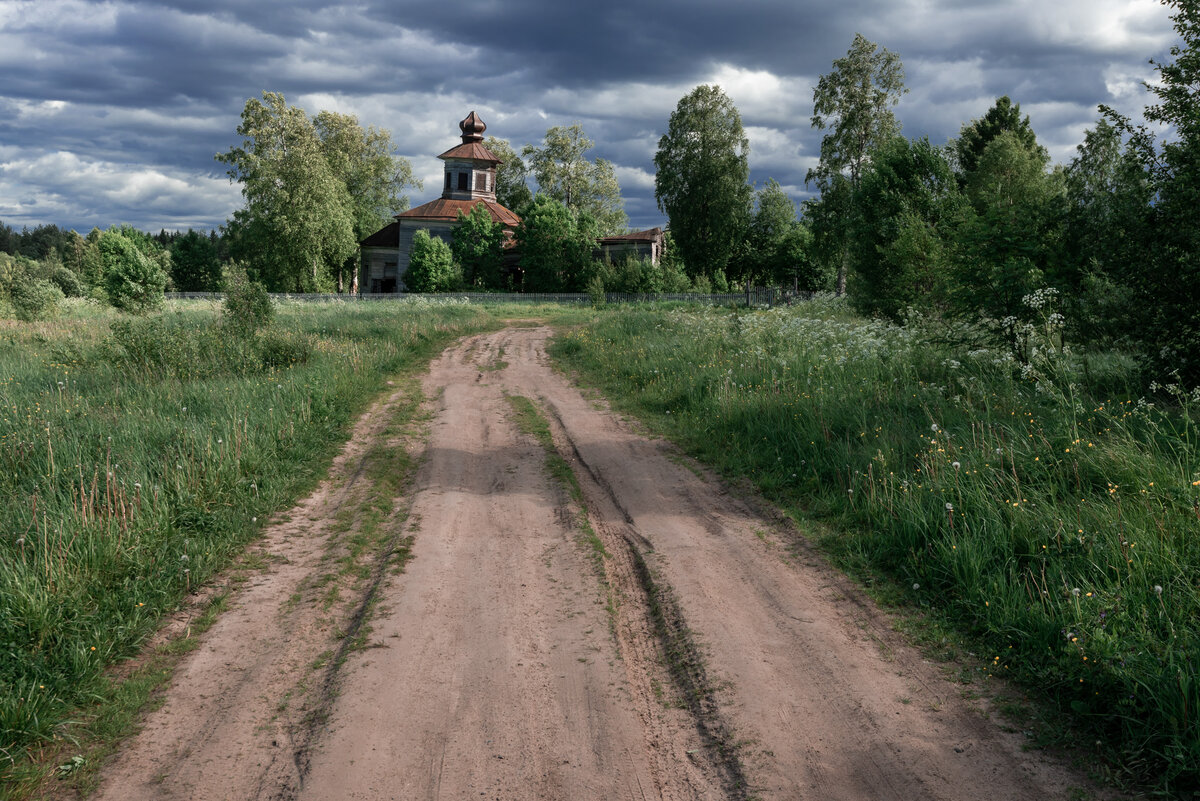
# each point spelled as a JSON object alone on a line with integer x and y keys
{"x": 470, "y": 180}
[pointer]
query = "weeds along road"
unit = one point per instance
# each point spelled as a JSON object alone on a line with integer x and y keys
{"x": 659, "y": 640}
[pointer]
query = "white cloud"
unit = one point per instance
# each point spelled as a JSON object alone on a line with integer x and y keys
{"x": 629, "y": 177}
{"x": 1137, "y": 26}
{"x": 60, "y": 186}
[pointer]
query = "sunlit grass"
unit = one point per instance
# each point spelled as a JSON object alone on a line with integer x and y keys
{"x": 1057, "y": 527}
{"x": 133, "y": 469}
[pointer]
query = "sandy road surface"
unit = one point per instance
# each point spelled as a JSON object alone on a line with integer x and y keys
{"x": 709, "y": 656}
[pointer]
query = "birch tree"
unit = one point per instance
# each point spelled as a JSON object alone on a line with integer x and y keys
{"x": 854, "y": 103}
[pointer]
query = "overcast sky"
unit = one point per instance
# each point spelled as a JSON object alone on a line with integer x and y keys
{"x": 111, "y": 112}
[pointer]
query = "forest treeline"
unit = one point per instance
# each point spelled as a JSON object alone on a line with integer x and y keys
{"x": 982, "y": 232}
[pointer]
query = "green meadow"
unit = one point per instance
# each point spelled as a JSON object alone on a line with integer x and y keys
{"x": 138, "y": 456}
{"x": 1038, "y": 509}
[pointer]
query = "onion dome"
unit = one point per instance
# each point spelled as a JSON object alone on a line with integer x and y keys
{"x": 472, "y": 128}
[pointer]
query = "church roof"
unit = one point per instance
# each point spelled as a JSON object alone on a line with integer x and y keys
{"x": 386, "y": 237}
{"x": 470, "y": 150}
{"x": 447, "y": 209}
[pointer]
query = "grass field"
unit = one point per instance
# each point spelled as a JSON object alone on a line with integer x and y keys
{"x": 138, "y": 457}
{"x": 1039, "y": 509}
{"x": 1044, "y": 512}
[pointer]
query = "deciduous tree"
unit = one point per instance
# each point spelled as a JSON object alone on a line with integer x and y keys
{"x": 564, "y": 173}
{"x": 133, "y": 280}
{"x": 194, "y": 263}
{"x": 768, "y": 243}
{"x": 854, "y": 102}
{"x": 297, "y": 226}
{"x": 376, "y": 180}
{"x": 905, "y": 207}
{"x": 702, "y": 169}
{"x": 431, "y": 268}
{"x": 976, "y": 135}
{"x": 1010, "y": 228}
{"x": 512, "y": 191}
{"x": 556, "y": 246}
{"x": 477, "y": 246}
{"x": 1167, "y": 279}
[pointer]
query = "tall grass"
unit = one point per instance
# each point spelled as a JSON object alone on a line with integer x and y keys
{"x": 136, "y": 458}
{"x": 1058, "y": 528}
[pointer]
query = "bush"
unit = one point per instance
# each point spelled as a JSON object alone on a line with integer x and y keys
{"x": 247, "y": 306}
{"x": 133, "y": 281}
{"x": 68, "y": 282}
{"x": 35, "y": 298}
{"x": 431, "y": 267}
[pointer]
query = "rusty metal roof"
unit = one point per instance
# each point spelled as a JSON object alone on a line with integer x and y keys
{"x": 386, "y": 237}
{"x": 471, "y": 150}
{"x": 446, "y": 209}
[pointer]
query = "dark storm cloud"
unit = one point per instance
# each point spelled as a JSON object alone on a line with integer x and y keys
{"x": 112, "y": 112}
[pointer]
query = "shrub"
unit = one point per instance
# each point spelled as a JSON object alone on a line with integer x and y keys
{"x": 35, "y": 298}
{"x": 68, "y": 282}
{"x": 247, "y": 306}
{"x": 595, "y": 290}
{"x": 133, "y": 281}
{"x": 431, "y": 268}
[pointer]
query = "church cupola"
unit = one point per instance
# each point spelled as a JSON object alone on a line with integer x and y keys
{"x": 472, "y": 128}
{"x": 470, "y": 167}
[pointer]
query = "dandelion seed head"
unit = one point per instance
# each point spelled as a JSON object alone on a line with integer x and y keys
{"x": 1075, "y": 591}
{"x": 956, "y": 465}
{"x": 1158, "y": 589}
{"x": 949, "y": 507}
{"x": 916, "y": 586}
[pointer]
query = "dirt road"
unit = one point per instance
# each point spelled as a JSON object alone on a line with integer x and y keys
{"x": 708, "y": 654}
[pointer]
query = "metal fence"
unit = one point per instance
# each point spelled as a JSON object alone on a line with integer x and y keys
{"x": 757, "y": 296}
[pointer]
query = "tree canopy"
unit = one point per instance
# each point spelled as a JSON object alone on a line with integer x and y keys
{"x": 556, "y": 246}
{"x": 512, "y": 191}
{"x": 564, "y": 173}
{"x": 854, "y": 103}
{"x": 477, "y": 246}
{"x": 976, "y": 135}
{"x": 431, "y": 267}
{"x": 313, "y": 188}
{"x": 701, "y": 180}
